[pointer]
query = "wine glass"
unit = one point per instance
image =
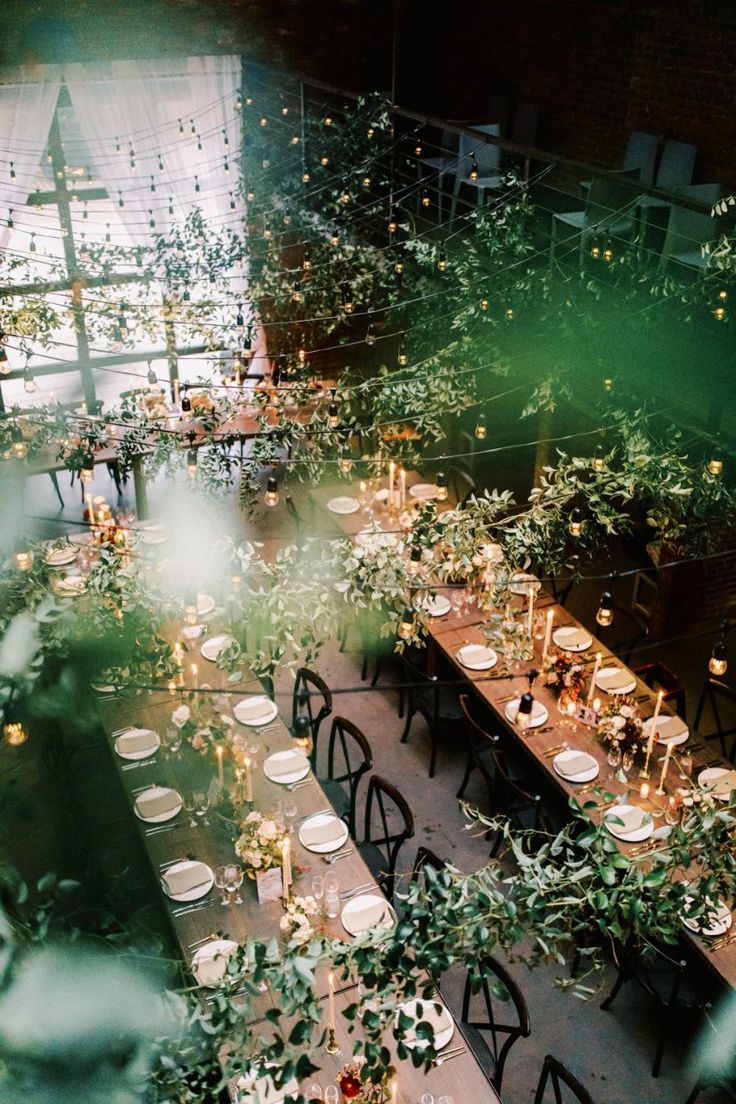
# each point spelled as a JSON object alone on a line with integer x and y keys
{"x": 332, "y": 1094}
{"x": 426, "y": 1098}
{"x": 189, "y": 801}
{"x": 627, "y": 760}
{"x": 331, "y": 882}
{"x": 234, "y": 876}
{"x": 221, "y": 883}
{"x": 288, "y": 810}
{"x": 614, "y": 756}
{"x": 313, "y": 1091}
{"x": 202, "y": 800}
{"x": 318, "y": 887}
{"x": 685, "y": 764}
{"x": 171, "y": 740}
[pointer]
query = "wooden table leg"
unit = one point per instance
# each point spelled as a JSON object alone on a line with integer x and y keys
{"x": 141, "y": 493}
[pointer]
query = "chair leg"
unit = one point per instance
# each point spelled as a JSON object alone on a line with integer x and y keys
{"x": 606, "y": 1004}
{"x": 455, "y": 194}
{"x": 409, "y": 718}
{"x": 55, "y": 481}
{"x": 433, "y": 758}
{"x": 469, "y": 768}
{"x": 377, "y": 672}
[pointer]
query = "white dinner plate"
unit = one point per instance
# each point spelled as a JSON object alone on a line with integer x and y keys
{"x": 668, "y": 724}
{"x": 209, "y": 963}
{"x": 214, "y": 645}
{"x": 423, "y": 491}
{"x": 205, "y": 604}
{"x": 106, "y": 688}
{"x": 323, "y": 833}
{"x": 522, "y": 582}
{"x": 201, "y": 871}
{"x": 572, "y": 639}
{"x": 255, "y": 711}
{"x": 382, "y": 494}
{"x": 59, "y": 557}
{"x": 638, "y": 823}
{"x": 152, "y": 744}
{"x": 343, "y": 504}
{"x": 722, "y": 920}
{"x": 719, "y": 781}
{"x": 368, "y": 910}
{"x": 538, "y": 716}
{"x": 151, "y": 794}
{"x": 375, "y": 539}
{"x": 437, "y": 606}
{"x": 608, "y": 674}
{"x": 435, "y": 1013}
{"x": 285, "y": 767}
{"x": 476, "y": 657}
{"x": 565, "y": 759}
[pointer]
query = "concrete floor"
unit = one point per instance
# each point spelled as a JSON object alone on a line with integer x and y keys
{"x": 610, "y": 1052}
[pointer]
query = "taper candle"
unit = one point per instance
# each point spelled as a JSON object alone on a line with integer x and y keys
{"x": 548, "y": 633}
{"x": 655, "y": 718}
{"x": 391, "y": 481}
{"x": 285, "y": 867}
{"x": 248, "y": 779}
{"x": 596, "y": 669}
{"x": 665, "y": 767}
{"x": 90, "y": 509}
{"x": 331, "y": 1001}
{"x": 402, "y": 489}
{"x": 219, "y": 752}
{"x": 530, "y": 615}
{"x": 195, "y": 676}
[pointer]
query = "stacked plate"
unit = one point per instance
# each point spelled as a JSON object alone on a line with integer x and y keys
{"x": 476, "y": 657}
{"x": 570, "y": 638}
{"x": 187, "y": 880}
{"x": 209, "y": 964}
{"x": 157, "y": 804}
{"x": 343, "y": 504}
{"x": 522, "y": 582}
{"x": 368, "y": 910}
{"x": 539, "y": 713}
{"x": 629, "y": 823}
{"x": 255, "y": 711}
{"x": 576, "y": 766}
{"x": 615, "y": 680}
{"x": 322, "y": 833}
{"x": 286, "y": 766}
{"x": 216, "y": 644}
{"x": 434, "y": 1013}
{"x": 137, "y": 743}
{"x": 70, "y": 586}
{"x": 719, "y": 781}
{"x": 670, "y": 730}
{"x": 423, "y": 491}
{"x": 720, "y": 919}
{"x": 59, "y": 557}
{"x": 205, "y": 604}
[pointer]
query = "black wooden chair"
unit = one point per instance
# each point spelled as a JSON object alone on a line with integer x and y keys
{"x": 670, "y": 978}
{"x": 659, "y": 677}
{"x": 314, "y": 697}
{"x": 496, "y": 991}
{"x": 388, "y": 824}
{"x": 438, "y": 705}
{"x": 349, "y": 757}
{"x": 426, "y": 857}
{"x": 461, "y": 485}
{"x": 717, "y": 695}
{"x": 724, "y": 1076}
{"x": 555, "y": 1076}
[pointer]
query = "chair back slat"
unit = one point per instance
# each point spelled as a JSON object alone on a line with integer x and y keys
{"x": 350, "y": 753}
{"x": 383, "y": 798}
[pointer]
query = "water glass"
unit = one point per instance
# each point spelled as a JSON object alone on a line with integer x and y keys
{"x": 234, "y": 876}
{"x": 171, "y": 741}
{"x": 685, "y": 764}
{"x": 627, "y": 760}
{"x": 332, "y": 882}
{"x": 189, "y": 801}
{"x": 426, "y": 1098}
{"x": 313, "y": 1091}
{"x": 614, "y": 756}
{"x": 288, "y": 809}
{"x": 202, "y": 799}
{"x": 332, "y": 903}
{"x": 318, "y": 887}
{"x": 332, "y": 1094}
{"x": 221, "y": 883}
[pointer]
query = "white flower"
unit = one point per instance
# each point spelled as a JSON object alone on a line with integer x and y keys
{"x": 181, "y": 715}
{"x": 626, "y": 711}
{"x": 267, "y": 831}
{"x": 617, "y": 723}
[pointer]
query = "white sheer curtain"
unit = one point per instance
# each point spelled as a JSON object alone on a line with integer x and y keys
{"x": 164, "y": 111}
{"x": 27, "y": 104}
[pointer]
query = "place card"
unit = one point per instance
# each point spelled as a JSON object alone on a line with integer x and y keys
{"x": 587, "y": 716}
{"x": 268, "y": 885}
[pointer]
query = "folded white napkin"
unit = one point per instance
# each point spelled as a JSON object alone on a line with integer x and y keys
{"x": 151, "y": 806}
{"x": 368, "y": 913}
{"x": 670, "y": 727}
{"x": 576, "y": 764}
{"x": 474, "y": 653}
{"x": 572, "y": 637}
{"x": 182, "y": 881}
{"x": 253, "y": 708}
{"x": 138, "y": 739}
{"x": 614, "y": 679}
{"x": 632, "y": 818}
{"x": 315, "y": 834}
{"x": 291, "y": 762}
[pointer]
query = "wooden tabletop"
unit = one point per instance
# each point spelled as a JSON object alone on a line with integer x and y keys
{"x": 377, "y": 513}
{"x": 447, "y": 634}
{"x": 213, "y": 845}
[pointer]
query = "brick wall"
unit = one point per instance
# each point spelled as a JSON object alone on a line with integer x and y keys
{"x": 694, "y": 597}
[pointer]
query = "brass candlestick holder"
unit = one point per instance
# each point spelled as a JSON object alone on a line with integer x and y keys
{"x": 332, "y": 1046}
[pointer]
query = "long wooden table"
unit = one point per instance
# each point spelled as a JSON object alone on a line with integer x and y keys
{"x": 447, "y": 634}
{"x": 214, "y": 846}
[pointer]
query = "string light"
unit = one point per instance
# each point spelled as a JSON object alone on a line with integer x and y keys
{"x": 29, "y": 383}
{"x": 576, "y": 521}
{"x": 608, "y": 384}
{"x": 186, "y": 407}
{"x": 715, "y": 464}
{"x": 151, "y": 377}
{"x": 402, "y": 356}
{"x": 483, "y": 303}
{"x": 392, "y": 224}
{"x": 426, "y": 201}
{"x": 271, "y": 497}
{"x": 345, "y": 462}
{"x": 718, "y": 662}
{"x": 14, "y": 733}
{"x": 595, "y": 249}
{"x": 18, "y": 446}
{"x": 407, "y": 623}
{"x": 720, "y": 311}
{"x": 366, "y": 182}
{"x": 192, "y": 458}
{"x": 604, "y": 614}
{"x": 307, "y": 261}
{"x": 442, "y": 260}
{"x": 524, "y": 712}
{"x": 296, "y": 292}
{"x": 415, "y": 560}
{"x": 334, "y": 235}
{"x": 333, "y": 414}
{"x": 440, "y": 482}
{"x": 87, "y": 471}
{"x": 370, "y": 337}
{"x": 347, "y": 300}
{"x": 481, "y": 428}
{"x": 474, "y": 170}
{"x": 23, "y": 556}
{"x": 608, "y": 252}
{"x": 599, "y": 463}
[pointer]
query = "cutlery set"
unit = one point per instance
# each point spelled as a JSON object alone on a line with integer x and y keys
{"x": 551, "y": 752}
{"x": 448, "y": 1054}
{"x": 330, "y": 859}
{"x": 722, "y": 941}
{"x": 300, "y": 785}
{"x": 139, "y": 763}
{"x": 317, "y": 812}
{"x": 529, "y": 732}
{"x": 205, "y": 939}
{"x": 159, "y": 828}
{"x": 196, "y": 906}
{"x": 357, "y": 890}
{"x": 648, "y": 847}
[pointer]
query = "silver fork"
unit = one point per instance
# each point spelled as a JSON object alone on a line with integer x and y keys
{"x": 319, "y": 812}
{"x": 197, "y": 907}
{"x": 300, "y": 785}
{"x": 140, "y": 763}
{"x": 330, "y": 859}
{"x": 448, "y": 1055}
{"x": 348, "y": 893}
{"x": 170, "y": 862}
{"x": 161, "y": 828}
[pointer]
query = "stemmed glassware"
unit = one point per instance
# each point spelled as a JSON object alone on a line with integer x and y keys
{"x": 189, "y": 801}
{"x": 234, "y": 878}
{"x": 221, "y": 883}
{"x": 172, "y": 741}
{"x": 202, "y": 802}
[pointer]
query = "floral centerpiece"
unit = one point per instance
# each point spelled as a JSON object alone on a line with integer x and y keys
{"x": 298, "y": 918}
{"x": 202, "y": 726}
{"x": 564, "y": 673}
{"x": 353, "y": 1087}
{"x": 259, "y": 844}
{"x": 621, "y": 725}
